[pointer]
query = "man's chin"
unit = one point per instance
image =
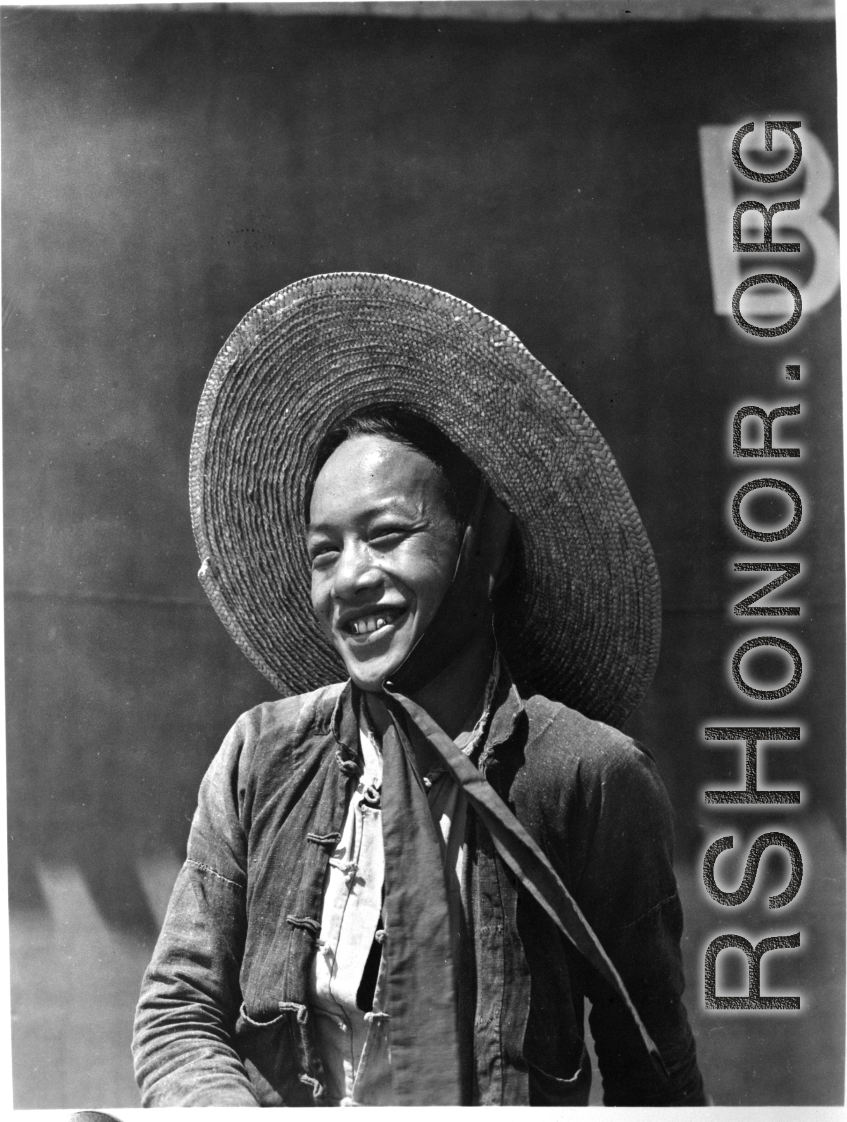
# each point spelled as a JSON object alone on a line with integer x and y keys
{"x": 369, "y": 674}
{"x": 370, "y": 678}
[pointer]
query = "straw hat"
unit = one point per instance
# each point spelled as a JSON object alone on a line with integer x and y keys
{"x": 584, "y": 625}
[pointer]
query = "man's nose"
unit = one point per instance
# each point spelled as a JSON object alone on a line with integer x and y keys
{"x": 355, "y": 572}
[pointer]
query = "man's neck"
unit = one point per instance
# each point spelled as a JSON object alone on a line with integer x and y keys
{"x": 453, "y": 697}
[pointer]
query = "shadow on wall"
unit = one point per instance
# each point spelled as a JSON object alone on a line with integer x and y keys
{"x": 92, "y": 864}
{"x": 102, "y": 689}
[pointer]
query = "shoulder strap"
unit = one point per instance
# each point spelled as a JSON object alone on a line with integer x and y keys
{"x": 524, "y": 857}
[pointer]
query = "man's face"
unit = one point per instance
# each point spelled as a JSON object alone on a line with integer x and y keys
{"x": 383, "y": 550}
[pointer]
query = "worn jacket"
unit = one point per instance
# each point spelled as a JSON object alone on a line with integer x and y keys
{"x": 224, "y": 1019}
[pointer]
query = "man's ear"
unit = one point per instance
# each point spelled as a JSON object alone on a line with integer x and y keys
{"x": 495, "y": 536}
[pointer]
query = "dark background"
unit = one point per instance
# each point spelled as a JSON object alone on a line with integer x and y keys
{"x": 163, "y": 171}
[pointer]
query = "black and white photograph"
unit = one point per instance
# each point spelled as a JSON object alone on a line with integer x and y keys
{"x": 424, "y": 613}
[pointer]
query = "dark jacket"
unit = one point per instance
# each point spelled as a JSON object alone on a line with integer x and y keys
{"x": 223, "y": 1018}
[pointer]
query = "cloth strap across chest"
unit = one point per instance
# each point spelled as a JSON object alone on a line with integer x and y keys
{"x": 413, "y": 966}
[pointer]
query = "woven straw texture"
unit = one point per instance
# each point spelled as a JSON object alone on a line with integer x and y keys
{"x": 584, "y": 625}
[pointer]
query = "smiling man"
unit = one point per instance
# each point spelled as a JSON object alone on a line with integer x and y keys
{"x": 388, "y": 515}
{"x": 383, "y": 547}
{"x": 403, "y": 886}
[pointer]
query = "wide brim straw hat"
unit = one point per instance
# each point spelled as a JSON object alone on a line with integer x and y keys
{"x": 582, "y": 625}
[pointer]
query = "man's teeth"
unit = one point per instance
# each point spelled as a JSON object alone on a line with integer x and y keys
{"x": 368, "y": 623}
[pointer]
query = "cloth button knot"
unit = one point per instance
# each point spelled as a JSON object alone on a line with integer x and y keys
{"x": 371, "y": 796}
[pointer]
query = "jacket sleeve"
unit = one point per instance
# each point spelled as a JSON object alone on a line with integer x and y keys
{"x": 627, "y": 889}
{"x": 190, "y": 995}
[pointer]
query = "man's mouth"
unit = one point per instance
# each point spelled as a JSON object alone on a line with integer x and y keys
{"x": 367, "y": 625}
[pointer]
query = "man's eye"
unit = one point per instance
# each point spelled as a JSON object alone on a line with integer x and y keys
{"x": 388, "y": 535}
{"x": 322, "y": 555}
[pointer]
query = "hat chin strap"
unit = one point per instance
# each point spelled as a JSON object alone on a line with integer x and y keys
{"x": 460, "y": 614}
